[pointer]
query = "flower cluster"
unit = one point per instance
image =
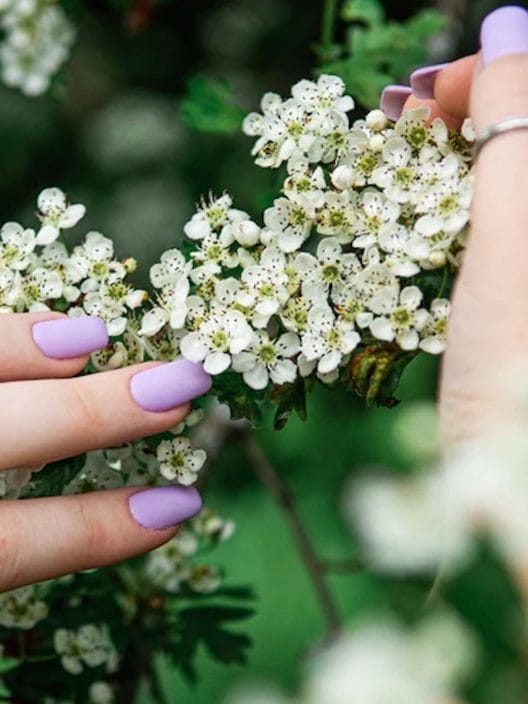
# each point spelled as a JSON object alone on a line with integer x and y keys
{"x": 171, "y": 568}
{"x": 37, "y": 40}
{"x": 348, "y": 255}
{"x": 90, "y": 645}
{"x": 22, "y": 608}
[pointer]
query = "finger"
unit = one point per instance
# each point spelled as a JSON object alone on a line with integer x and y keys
{"x": 489, "y": 327}
{"x": 40, "y": 345}
{"x": 46, "y": 538}
{"x": 46, "y": 420}
{"x": 448, "y": 84}
{"x": 436, "y": 111}
{"x": 396, "y": 99}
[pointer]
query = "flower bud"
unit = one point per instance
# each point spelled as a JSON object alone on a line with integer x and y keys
{"x": 246, "y": 233}
{"x": 376, "y": 120}
{"x": 437, "y": 259}
{"x": 130, "y": 265}
{"x": 343, "y": 177}
{"x": 377, "y": 142}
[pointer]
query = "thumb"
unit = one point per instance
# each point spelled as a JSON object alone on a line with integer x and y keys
{"x": 488, "y": 334}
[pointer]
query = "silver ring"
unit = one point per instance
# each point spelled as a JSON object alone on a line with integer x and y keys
{"x": 508, "y": 125}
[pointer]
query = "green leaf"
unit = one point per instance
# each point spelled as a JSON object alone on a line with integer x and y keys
{"x": 206, "y": 625}
{"x": 7, "y": 664}
{"x": 208, "y": 106}
{"x": 51, "y": 480}
{"x": 369, "y": 11}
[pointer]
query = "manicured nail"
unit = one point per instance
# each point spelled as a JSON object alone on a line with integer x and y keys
{"x": 503, "y": 32}
{"x": 423, "y": 80}
{"x": 169, "y": 385}
{"x": 65, "y": 338}
{"x": 164, "y": 506}
{"x": 393, "y": 99}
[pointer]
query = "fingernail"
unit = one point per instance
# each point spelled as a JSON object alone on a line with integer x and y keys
{"x": 503, "y": 32}
{"x": 65, "y": 338}
{"x": 423, "y": 80}
{"x": 393, "y": 99}
{"x": 164, "y": 506}
{"x": 169, "y": 385}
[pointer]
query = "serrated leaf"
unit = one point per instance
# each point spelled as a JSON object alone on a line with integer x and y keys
{"x": 51, "y": 480}
{"x": 209, "y": 106}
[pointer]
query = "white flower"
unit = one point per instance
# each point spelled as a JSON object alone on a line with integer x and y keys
{"x": 216, "y": 340}
{"x": 56, "y": 214}
{"x": 171, "y": 308}
{"x": 171, "y": 267}
{"x": 398, "y": 176}
{"x": 101, "y": 693}
{"x": 292, "y": 220}
{"x": 93, "y": 260}
{"x": 305, "y": 181}
{"x": 329, "y": 267}
{"x": 16, "y": 246}
{"x": 22, "y": 608}
{"x": 266, "y": 358}
{"x": 89, "y": 645}
{"x": 446, "y": 205}
{"x": 265, "y": 286}
{"x": 324, "y": 95}
{"x": 204, "y": 579}
{"x": 377, "y": 216}
{"x": 400, "y": 319}
{"x": 434, "y": 332}
{"x": 327, "y": 340}
{"x": 210, "y": 217}
{"x": 179, "y": 461}
{"x": 338, "y": 216}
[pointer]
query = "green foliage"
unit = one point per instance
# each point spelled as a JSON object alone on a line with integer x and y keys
{"x": 206, "y": 625}
{"x": 51, "y": 480}
{"x": 208, "y": 106}
{"x": 378, "y": 52}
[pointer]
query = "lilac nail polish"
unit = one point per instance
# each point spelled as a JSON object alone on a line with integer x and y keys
{"x": 423, "y": 80}
{"x": 393, "y": 99}
{"x": 164, "y": 506}
{"x": 169, "y": 385}
{"x": 66, "y": 338}
{"x": 503, "y": 32}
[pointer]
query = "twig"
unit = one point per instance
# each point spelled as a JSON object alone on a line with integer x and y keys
{"x": 286, "y": 501}
{"x": 335, "y": 566}
{"x": 328, "y": 23}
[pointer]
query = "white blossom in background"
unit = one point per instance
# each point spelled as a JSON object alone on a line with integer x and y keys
{"x": 90, "y": 645}
{"x": 101, "y": 693}
{"x": 381, "y": 662}
{"x": 37, "y": 41}
{"x": 22, "y": 608}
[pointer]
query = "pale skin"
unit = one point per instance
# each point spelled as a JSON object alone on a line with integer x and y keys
{"x": 48, "y": 414}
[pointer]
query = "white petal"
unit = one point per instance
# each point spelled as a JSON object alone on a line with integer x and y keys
{"x": 257, "y": 378}
{"x": 72, "y": 216}
{"x": 47, "y": 234}
{"x": 329, "y": 362}
{"x": 192, "y": 348}
{"x": 216, "y": 362}
{"x": 382, "y": 329}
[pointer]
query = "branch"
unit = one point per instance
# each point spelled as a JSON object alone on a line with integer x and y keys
{"x": 286, "y": 501}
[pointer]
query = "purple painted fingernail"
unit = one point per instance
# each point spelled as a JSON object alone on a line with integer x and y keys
{"x": 393, "y": 99}
{"x": 423, "y": 80}
{"x": 164, "y": 506}
{"x": 169, "y": 385}
{"x": 503, "y": 32}
{"x": 66, "y": 338}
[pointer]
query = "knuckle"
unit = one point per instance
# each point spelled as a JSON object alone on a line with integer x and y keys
{"x": 10, "y": 554}
{"x": 94, "y": 534}
{"x": 87, "y": 406}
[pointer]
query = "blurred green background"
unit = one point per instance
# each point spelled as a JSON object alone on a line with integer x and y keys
{"x": 111, "y": 134}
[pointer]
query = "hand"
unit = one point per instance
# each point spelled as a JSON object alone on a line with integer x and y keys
{"x": 488, "y": 334}
{"x": 46, "y": 415}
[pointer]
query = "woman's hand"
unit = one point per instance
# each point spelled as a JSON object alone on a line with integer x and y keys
{"x": 488, "y": 335}
{"x": 47, "y": 414}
